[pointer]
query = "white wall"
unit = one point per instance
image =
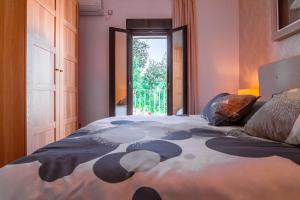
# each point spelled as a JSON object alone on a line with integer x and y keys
{"x": 94, "y": 76}
{"x": 218, "y": 30}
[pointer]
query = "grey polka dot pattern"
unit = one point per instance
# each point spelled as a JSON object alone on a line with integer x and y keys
{"x": 146, "y": 193}
{"x": 122, "y": 152}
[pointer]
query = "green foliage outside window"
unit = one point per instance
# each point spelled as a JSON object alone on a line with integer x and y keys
{"x": 149, "y": 80}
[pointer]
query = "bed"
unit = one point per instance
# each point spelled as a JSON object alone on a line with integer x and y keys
{"x": 153, "y": 158}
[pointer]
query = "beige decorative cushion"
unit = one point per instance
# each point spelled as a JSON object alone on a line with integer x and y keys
{"x": 276, "y": 119}
{"x": 294, "y": 137}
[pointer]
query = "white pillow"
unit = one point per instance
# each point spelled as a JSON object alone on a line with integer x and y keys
{"x": 294, "y": 136}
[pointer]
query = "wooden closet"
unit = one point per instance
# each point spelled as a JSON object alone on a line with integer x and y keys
{"x": 39, "y": 74}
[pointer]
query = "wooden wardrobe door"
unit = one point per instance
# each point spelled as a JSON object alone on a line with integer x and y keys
{"x": 42, "y": 66}
{"x": 69, "y": 61}
{"x": 12, "y": 80}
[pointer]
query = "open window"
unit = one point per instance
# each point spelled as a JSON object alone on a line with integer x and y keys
{"x": 128, "y": 94}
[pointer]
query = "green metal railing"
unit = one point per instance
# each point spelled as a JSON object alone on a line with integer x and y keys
{"x": 150, "y": 102}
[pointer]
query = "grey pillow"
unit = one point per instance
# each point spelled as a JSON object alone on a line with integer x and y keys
{"x": 258, "y": 105}
{"x": 277, "y": 117}
{"x": 206, "y": 113}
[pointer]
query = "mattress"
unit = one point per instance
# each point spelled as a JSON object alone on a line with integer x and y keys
{"x": 169, "y": 158}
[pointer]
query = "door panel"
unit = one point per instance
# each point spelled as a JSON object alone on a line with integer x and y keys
{"x": 70, "y": 12}
{"x": 45, "y": 21}
{"x": 69, "y": 68}
{"x": 178, "y": 78}
{"x": 49, "y": 3}
{"x": 118, "y": 72}
{"x": 121, "y": 73}
{"x": 42, "y": 82}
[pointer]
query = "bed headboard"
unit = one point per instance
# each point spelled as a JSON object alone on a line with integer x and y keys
{"x": 279, "y": 76}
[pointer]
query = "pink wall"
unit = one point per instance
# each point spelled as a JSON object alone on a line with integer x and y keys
{"x": 234, "y": 40}
{"x": 218, "y": 44}
{"x": 256, "y": 45}
{"x": 94, "y": 76}
{"x": 218, "y": 27}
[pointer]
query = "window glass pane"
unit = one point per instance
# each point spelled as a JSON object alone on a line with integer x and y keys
{"x": 121, "y": 74}
{"x": 178, "y": 72}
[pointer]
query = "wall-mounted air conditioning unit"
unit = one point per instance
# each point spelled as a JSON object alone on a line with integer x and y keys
{"x": 91, "y": 7}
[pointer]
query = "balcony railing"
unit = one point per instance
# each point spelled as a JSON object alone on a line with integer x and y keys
{"x": 150, "y": 102}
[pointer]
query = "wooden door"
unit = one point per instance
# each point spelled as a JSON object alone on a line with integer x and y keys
{"x": 177, "y": 72}
{"x": 12, "y": 80}
{"x": 120, "y": 87}
{"x": 42, "y": 73}
{"x": 69, "y": 68}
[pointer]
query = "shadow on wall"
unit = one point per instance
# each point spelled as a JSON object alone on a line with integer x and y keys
{"x": 256, "y": 45}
